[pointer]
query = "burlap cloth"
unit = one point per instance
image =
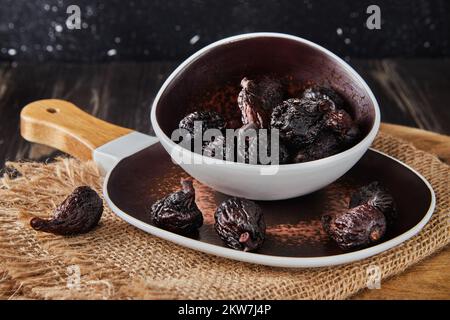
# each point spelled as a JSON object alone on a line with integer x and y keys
{"x": 118, "y": 261}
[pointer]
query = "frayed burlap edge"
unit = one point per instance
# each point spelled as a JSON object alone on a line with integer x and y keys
{"x": 42, "y": 266}
{"x": 117, "y": 261}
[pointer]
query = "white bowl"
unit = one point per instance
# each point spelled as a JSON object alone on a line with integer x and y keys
{"x": 259, "y": 182}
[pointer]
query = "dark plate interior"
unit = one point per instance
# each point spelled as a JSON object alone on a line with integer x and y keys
{"x": 293, "y": 226}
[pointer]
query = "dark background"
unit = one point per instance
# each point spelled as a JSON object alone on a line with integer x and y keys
{"x": 139, "y": 30}
{"x": 114, "y": 66}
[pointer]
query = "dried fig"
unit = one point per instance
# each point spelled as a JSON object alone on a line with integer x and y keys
{"x": 358, "y": 227}
{"x": 318, "y": 93}
{"x": 257, "y": 99}
{"x": 216, "y": 149}
{"x": 252, "y": 150}
{"x": 248, "y": 150}
{"x": 378, "y": 196}
{"x": 299, "y": 121}
{"x": 210, "y": 120}
{"x": 178, "y": 211}
{"x": 240, "y": 224}
{"x": 338, "y": 121}
{"x": 325, "y": 145}
{"x": 79, "y": 213}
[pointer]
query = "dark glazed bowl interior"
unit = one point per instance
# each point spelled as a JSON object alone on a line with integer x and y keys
{"x": 228, "y": 62}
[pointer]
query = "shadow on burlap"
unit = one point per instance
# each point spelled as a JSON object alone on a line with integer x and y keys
{"x": 118, "y": 261}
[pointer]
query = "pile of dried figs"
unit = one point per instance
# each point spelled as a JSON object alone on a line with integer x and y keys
{"x": 240, "y": 223}
{"x": 312, "y": 126}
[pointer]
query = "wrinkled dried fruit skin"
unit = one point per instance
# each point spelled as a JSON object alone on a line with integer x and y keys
{"x": 298, "y": 120}
{"x": 358, "y": 227}
{"x": 240, "y": 224}
{"x": 178, "y": 211}
{"x": 312, "y": 127}
{"x": 336, "y": 118}
{"x": 342, "y": 124}
{"x": 253, "y": 145}
{"x": 315, "y": 126}
{"x": 338, "y": 121}
{"x": 324, "y": 93}
{"x": 377, "y": 196}
{"x": 266, "y": 92}
{"x": 283, "y": 152}
{"x": 326, "y": 144}
{"x": 210, "y": 120}
{"x": 257, "y": 99}
{"x": 79, "y": 213}
{"x": 219, "y": 146}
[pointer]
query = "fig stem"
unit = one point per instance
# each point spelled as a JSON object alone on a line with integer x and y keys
{"x": 39, "y": 224}
{"x": 244, "y": 83}
{"x": 187, "y": 185}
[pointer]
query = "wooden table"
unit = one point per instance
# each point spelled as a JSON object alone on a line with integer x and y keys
{"x": 410, "y": 92}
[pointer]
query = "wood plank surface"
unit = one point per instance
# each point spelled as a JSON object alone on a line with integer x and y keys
{"x": 410, "y": 92}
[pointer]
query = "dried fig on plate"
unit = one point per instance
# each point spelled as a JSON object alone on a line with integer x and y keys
{"x": 378, "y": 196}
{"x": 240, "y": 224}
{"x": 79, "y": 213}
{"x": 178, "y": 211}
{"x": 358, "y": 227}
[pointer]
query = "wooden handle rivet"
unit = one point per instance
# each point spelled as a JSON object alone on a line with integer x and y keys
{"x": 52, "y": 110}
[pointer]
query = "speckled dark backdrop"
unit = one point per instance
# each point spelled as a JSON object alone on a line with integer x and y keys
{"x": 35, "y": 30}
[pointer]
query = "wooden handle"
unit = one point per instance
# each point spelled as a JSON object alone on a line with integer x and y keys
{"x": 61, "y": 125}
